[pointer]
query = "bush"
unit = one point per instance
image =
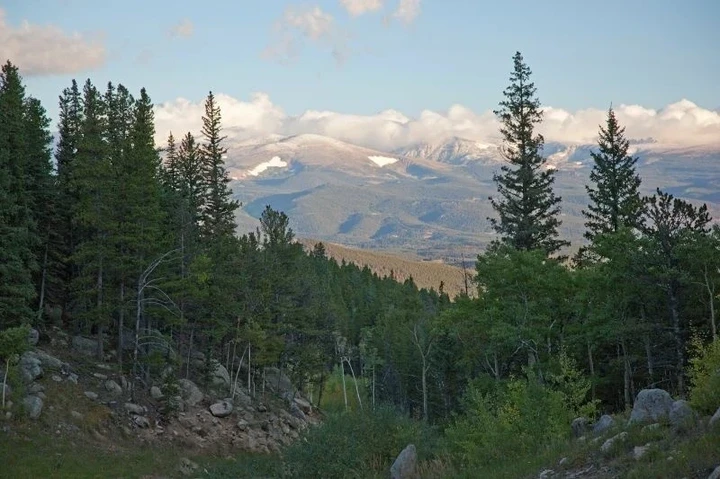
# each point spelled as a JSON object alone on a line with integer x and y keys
{"x": 704, "y": 374}
{"x": 352, "y": 444}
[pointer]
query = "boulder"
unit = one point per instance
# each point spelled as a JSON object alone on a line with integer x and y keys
{"x": 682, "y": 417}
{"x": 50, "y": 362}
{"x": 303, "y": 404}
{"x": 156, "y": 393}
{"x": 405, "y": 465}
{"x": 91, "y": 395}
{"x": 85, "y": 346}
{"x": 187, "y": 467}
{"x": 134, "y": 408}
{"x": 715, "y": 419}
{"x": 278, "y": 382}
{"x": 190, "y": 393}
{"x": 640, "y": 451}
{"x": 219, "y": 376}
{"x": 604, "y": 423}
{"x": 607, "y": 445}
{"x": 141, "y": 421}
{"x": 33, "y": 406}
{"x": 5, "y": 390}
{"x": 222, "y": 408}
{"x": 715, "y": 474}
{"x": 30, "y": 367}
{"x": 579, "y": 426}
{"x": 651, "y": 405}
{"x": 113, "y": 388}
{"x": 33, "y": 337}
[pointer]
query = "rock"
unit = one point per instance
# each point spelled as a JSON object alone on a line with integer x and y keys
{"x": 85, "y": 346}
{"x": 190, "y": 393}
{"x": 141, "y": 421}
{"x": 30, "y": 367}
{"x": 303, "y": 404}
{"x": 56, "y": 378}
{"x": 715, "y": 474}
{"x": 296, "y": 412}
{"x": 100, "y": 376}
{"x": 242, "y": 425}
{"x": 156, "y": 393}
{"x": 607, "y": 445}
{"x": 35, "y": 388}
{"x": 187, "y": 467}
{"x": 222, "y": 408}
{"x": 563, "y": 461}
{"x": 715, "y": 419}
{"x": 278, "y": 382}
{"x": 33, "y": 406}
{"x": 682, "y": 417}
{"x": 579, "y": 426}
{"x": 135, "y": 409}
{"x": 41, "y": 395}
{"x": 219, "y": 375}
{"x": 73, "y": 378}
{"x": 5, "y": 390}
{"x": 241, "y": 397}
{"x": 639, "y": 451}
{"x": 91, "y": 395}
{"x": 546, "y": 474}
{"x": 651, "y": 427}
{"x": 651, "y": 405}
{"x": 113, "y": 388}
{"x": 77, "y": 416}
{"x": 261, "y": 408}
{"x": 33, "y": 337}
{"x": 405, "y": 465}
{"x": 49, "y": 362}
{"x": 604, "y": 423}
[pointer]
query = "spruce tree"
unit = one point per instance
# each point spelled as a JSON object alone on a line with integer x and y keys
{"x": 18, "y": 231}
{"x": 614, "y": 194}
{"x": 218, "y": 219}
{"x": 528, "y": 208}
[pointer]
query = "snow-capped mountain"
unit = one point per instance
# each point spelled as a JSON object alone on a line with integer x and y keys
{"x": 454, "y": 151}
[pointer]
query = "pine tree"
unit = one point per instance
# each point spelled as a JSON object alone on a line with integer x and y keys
{"x": 218, "y": 218}
{"x": 18, "y": 231}
{"x": 528, "y": 207}
{"x": 614, "y": 194}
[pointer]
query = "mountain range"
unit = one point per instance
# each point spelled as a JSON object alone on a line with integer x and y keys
{"x": 429, "y": 199}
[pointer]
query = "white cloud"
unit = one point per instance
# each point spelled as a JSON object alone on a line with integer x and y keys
{"x": 300, "y": 25}
{"x": 359, "y": 7}
{"x": 183, "y": 29}
{"x": 47, "y": 50}
{"x": 678, "y": 124}
{"x": 407, "y": 10}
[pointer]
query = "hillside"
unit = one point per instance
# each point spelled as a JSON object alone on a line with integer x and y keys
{"x": 426, "y": 274}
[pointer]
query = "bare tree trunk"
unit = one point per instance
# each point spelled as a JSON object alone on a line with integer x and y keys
{"x": 591, "y": 364}
{"x": 41, "y": 302}
{"x": 711, "y": 298}
{"x": 626, "y": 376}
{"x": 7, "y": 368}
{"x": 342, "y": 375}
{"x": 121, "y": 324}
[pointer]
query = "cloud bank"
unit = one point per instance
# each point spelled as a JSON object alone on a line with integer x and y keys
{"x": 679, "y": 124}
{"x": 47, "y": 50}
{"x": 359, "y": 7}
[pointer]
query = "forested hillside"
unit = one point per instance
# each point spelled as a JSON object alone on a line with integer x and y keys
{"x": 111, "y": 237}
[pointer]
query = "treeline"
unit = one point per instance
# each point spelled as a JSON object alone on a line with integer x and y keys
{"x": 137, "y": 246}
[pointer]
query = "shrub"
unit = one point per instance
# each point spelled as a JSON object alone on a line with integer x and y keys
{"x": 704, "y": 374}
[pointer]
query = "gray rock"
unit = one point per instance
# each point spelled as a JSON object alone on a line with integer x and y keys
{"x": 715, "y": 419}
{"x": 49, "y": 362}
{"x": 296, "y": 412}
{"x": 33, "y": 406}
{"x": 579, "y": 426}
{"x": 6, "y": 390}
{"x": 187, "y": 467}
{"x": 141, "y": 421}
{"x": 135, "y": 409}
{"x": 562, "y": 462}
{"x": 91, "y": 395}
{"x": 30, "y": 367}
{"x": 405, "y": 465}
{"x": 156, "y": 393}
{"x": 607, "y": 445}
{"x": 190, "y": 393}
{"x": 546, "y": 474}
{"x": 303, "y": 404}
{"x": 220, "y": 376}
{"x": 85, "y": 346}
{"x": 222, "y": 408}
{"x": 33, "y": 337}
{"x": 278, "y": 382}
{"x": 73, "y": 378}
{"x": 651, "y": 405}
{"x": 715, "y": 474}
{"x": 113, "y": 388}
{"x": 77, "y": 416}
{"x": 640, "y": 451}
{"x": 56, "y": 378}
{"x": 682, "y": 417}
{"x": 242, "y": 425}
{"x": 604, "y": 423}
{"x": 100, "y": 376}
{"x": 35, "y": 388}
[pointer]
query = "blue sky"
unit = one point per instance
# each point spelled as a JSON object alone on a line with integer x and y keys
{"x": 583, "y": 54}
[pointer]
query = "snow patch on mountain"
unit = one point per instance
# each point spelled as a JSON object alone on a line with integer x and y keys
{"x": 382, "y": 160}
{"x": 275, "y": 162}
{"x": 454, "y": 150}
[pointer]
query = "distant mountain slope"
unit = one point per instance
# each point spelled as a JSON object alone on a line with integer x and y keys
{"x": 425, "y": 274}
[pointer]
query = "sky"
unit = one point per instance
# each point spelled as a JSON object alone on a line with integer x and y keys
{"x": 382, "y": 73}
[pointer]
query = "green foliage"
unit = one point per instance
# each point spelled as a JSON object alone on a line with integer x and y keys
{"x": 573, "y": 385}
{"x": 356, "y": 445}
{"x": 14, "y": 341}
{"x": 704, "y": 375}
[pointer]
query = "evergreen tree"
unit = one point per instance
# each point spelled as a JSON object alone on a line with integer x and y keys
{"x": 218, "y": 219}
{"x": 614, "y": 194}
{"x": 18, "y": 231}
{"x": 528, "y": 207}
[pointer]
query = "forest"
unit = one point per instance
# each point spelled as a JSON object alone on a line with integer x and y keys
{"x": 109, "y": 236}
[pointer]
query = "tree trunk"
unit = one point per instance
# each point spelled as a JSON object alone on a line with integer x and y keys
{"x": 711, "y": 298}
{"x": 101, "y": 328}
{"x": 41, "y": 302}
{"x": 626, "y": 376}
{"x": 677, "y": 336}
{"x": 121, "y": 325}
{"x": 591, "y": 365}
{"x": 424, "y": 388}
{"x": 342, "y": 375}
{"x": 7, "y": 368}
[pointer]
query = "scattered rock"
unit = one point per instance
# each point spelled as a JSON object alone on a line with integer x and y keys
{"x": 30, "y": 367}
{"x": 33, "y": 406}
{"x": 56, "y": 378}
{"x": 222, "y": 408}
{"x": 303, "y": 404}
{"x": 546, "y": 474}
{"x": 682, "y": 416}
{"x": 242, "y": 425}
{"x": 113, "y": 388}
{"x": 261, "y": 408}
{"x": 295, "y": 411}
{"x": 91, "y": 395}
{"x": 187, "y": 467}
{"x": 579, "y": 426}
{"x": 156, "y": 393}
{"x": 141, "y": 421}
{"x": 85, "y": 346}
{"x": 135, "y": 409}
{"x": 563, "y": 461}
{"x": 639, "y": 451}
{"x": 190, "y": 393}
{"x": 405, "y": 465}
{"x": 33, "y": 337}
{"x": 35, "y": 388}
{"x": 100, "y": 376}
{"x": 607, "y": 445}
{"x": 49, "y": 362}
{"x": 76, "y": 415}
{"x": 651, "y": 405}
{"x": 604, "y": 423}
